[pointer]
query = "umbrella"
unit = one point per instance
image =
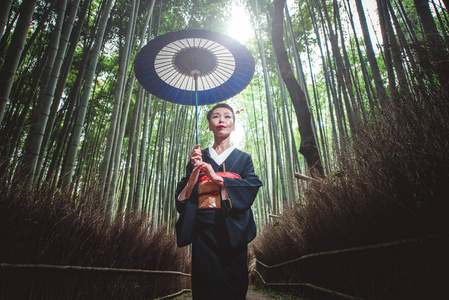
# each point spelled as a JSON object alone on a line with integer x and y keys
{"x": 194, "y": 67}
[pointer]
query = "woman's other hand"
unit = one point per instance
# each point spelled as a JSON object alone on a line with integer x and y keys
{"x": 209, "y": 172}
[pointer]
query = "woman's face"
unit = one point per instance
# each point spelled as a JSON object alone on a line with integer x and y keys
{"x": 221, "y": 122}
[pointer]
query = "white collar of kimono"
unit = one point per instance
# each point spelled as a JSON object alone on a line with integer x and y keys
{"x": 219, "y": 159}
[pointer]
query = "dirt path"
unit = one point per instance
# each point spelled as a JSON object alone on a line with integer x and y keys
{"x": 252, "y": 295}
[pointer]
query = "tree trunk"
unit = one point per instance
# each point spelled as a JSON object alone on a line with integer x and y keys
{"x": 11, "y": 62}
{"x": 436, "y": 44}
{"x": 107, "y": 167}
{"x": 386, "y": 46}
{"x": 6, "y": 33}
{"x": 342, "y": 72}
{"x": 308, "y": 145}
{"x": 329, "y": 84}
{"x": 446, "y": 3}
{"x": 124, "y": 115}
{"x": 265, "y": 202}
{"x": 43, "y": 104}
{"x": 61, "y": 142}
{"x": 366, "y": 76}
{"x": 381, "y": 92}
{"x": 4, "y": 13}
{"x": 55, "y": 87}
{"x": 273, "y": 131}
{"x": 414, "y": 70}
{"x": 73, "y": 94}
{"x": 13, "y": 131}
{"x": 396, "y": 52}
{"x": 76, "y": 135}
{"x": 349, "y": 76}
{"x": 303, "y": 84}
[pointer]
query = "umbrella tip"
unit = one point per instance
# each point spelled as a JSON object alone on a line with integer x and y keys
{"x": 195, "y": 73}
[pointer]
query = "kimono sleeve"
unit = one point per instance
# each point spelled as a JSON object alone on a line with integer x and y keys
{"x": 180, "y": 205}
{"x": 187, "y": 211}
{"x": 242, "y": 192}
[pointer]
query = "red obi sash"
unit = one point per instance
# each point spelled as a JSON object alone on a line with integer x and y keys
{"x": 209, "y": 191}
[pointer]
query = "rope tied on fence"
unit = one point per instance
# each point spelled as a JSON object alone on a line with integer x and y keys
{"x": 91, "y": 269}
{"x": 98, "y": 269}
{"x": 418, "y": 240}
{"x": 318, "y": 288}
{"x": 175, "y": 294}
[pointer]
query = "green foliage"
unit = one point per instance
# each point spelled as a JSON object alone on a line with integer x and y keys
{"x": 192, "y": 14}
{"x": 302, "y": 26}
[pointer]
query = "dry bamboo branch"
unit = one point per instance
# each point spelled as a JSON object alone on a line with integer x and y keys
{"x": 304, "y": 177}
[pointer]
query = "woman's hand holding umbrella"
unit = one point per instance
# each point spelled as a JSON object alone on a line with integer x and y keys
{"x": 196, "y": 155}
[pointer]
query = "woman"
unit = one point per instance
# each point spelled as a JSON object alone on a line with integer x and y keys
{"x": 220, "y": 230}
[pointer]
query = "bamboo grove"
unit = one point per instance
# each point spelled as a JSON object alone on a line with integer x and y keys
{"x": 75, "y": 120}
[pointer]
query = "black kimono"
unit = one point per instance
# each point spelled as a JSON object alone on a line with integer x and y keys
{"x": 219, "y": 237}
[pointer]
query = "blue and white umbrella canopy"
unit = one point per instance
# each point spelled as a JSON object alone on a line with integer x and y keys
{"x": 194, "y": 67}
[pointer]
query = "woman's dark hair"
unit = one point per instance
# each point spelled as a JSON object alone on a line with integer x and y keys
{"x": 220, "y": 105}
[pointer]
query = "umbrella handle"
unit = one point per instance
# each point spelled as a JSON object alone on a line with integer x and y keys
{"x": 196, "y": 116}
{"x": 195, "y": 74}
